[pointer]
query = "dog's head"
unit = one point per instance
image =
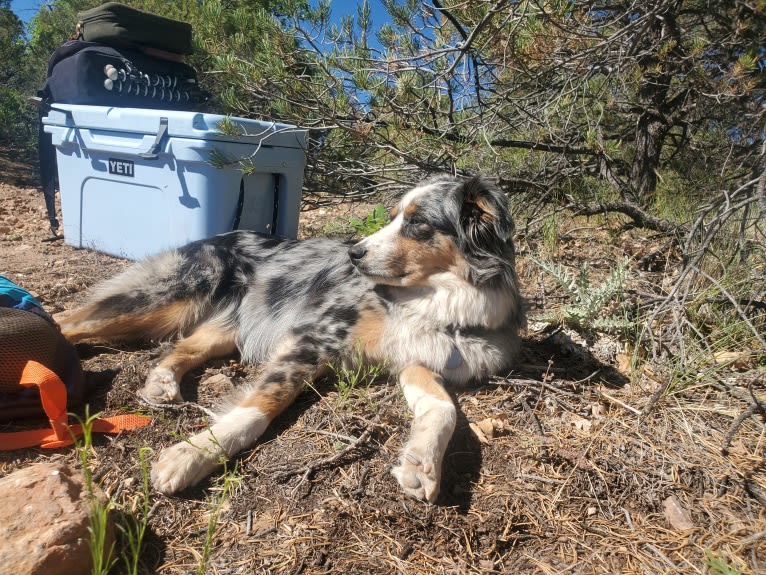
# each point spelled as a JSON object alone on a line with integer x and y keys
{"x": 444, "y": 226}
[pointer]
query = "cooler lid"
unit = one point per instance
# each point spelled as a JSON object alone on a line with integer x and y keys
{"x": 179, "y": 124}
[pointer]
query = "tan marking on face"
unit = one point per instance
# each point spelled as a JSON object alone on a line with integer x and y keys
{"x": 410, "y": 210}
{"x": 394, "y": 212}
{"x": 417, "y": 260}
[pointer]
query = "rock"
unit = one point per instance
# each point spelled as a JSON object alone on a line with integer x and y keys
{"x": 677, "y": 515}
{"x": 44, "y": 519}
{"x": 218, "y": 383}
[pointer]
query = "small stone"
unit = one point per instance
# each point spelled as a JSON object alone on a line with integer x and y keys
{"x": 677, "y": 515}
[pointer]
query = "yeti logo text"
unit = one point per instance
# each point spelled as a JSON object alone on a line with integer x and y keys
{"x": 121, "y": 167}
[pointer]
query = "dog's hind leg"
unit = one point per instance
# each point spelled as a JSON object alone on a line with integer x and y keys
{"x": 208, "y": 340}
{"x": 98, "y": 323}
{"x": 282, "y": 379}
{"x": 153, "y": 299}
{"x": 420, "y": 464}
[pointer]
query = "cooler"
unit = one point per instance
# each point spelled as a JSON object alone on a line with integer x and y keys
{"x": 134, "y": 182}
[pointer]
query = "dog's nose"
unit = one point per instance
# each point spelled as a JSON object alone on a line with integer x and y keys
{"x": 357, "y": 252}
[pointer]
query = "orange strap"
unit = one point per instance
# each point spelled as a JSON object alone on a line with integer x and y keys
{"x": 53, "y": 397}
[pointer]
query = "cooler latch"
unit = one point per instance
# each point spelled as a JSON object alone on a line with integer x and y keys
{"x": 154, "y": 152}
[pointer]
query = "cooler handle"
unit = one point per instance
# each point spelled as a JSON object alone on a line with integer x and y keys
{"x": 149, "y": 147}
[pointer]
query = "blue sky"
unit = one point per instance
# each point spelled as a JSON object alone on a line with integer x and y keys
{"x": 25, "y": 9}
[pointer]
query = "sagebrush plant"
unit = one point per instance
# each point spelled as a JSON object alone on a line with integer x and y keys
{"x": 592, "y": 307}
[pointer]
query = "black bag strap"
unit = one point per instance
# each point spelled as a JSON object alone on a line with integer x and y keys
{"x": 46, "y": 153}
{"x": 240, "y": 205}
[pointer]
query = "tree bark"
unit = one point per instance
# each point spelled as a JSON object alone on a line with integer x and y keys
{"x": 651, "y": 130}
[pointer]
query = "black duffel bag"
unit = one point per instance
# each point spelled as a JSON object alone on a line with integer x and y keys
{"x": 96, "y": 74}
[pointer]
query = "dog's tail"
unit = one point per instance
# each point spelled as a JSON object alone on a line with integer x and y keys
{"x": 154, "y": 299}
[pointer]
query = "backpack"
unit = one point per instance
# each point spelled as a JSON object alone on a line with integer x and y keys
{"x": 41, "y": 375}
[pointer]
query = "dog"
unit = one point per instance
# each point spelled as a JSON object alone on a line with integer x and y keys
{"x": 433, "y": 296}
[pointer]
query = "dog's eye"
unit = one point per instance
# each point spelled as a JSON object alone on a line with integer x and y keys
{"x": 418, "y": 226}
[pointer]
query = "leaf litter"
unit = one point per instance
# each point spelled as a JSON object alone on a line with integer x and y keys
{"x": 553, "y": 469}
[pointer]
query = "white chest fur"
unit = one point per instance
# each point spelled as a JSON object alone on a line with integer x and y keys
{"x": 428, "y": 325}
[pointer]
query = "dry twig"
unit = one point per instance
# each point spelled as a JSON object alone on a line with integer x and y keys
{"x": 305, "y": 470}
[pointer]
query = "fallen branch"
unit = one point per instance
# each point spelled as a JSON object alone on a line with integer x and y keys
{"x": 538, "y": 428}
{"x": 635, "y": 212}
{"x": 756, "y": 407}
{"x": 659, "y": 392}
{"x": 306, "y": 470}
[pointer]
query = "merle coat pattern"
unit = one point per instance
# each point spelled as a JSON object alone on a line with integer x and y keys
{"x": 433, "y": 296}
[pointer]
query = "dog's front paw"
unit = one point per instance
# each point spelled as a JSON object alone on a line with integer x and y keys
{"x": 182, "y": 465}
{"x": 161, "y": 387}
{"x": 418, "y": 474}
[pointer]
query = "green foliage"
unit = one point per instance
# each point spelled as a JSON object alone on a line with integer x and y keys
{"x": 374, "y": 221}
{"x": 596, "y": 307}
{"x": 717, "y": 565}
{"x": 17, "y": 119}
{"x": 670, "y": 201}
{"x": 719, "y": 335}
{"x": 355, "y": 375}
{"x": 228, "y": 484}
{"x": 102, "y": 557}
{"x": 550, "y": 231}
{"x": 11, "y": 44}
{"x": 134, "y": 527}
{"x": 17, "y": 116}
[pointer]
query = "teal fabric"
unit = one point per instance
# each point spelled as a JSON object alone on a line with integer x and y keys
{"x": 11, "y": 295}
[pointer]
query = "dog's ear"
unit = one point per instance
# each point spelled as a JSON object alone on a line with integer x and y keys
{"x": 484, "y": 215}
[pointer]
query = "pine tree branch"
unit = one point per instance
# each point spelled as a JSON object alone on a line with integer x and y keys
{"x": 451, "y": 17}
{"x": 544, "y": 147}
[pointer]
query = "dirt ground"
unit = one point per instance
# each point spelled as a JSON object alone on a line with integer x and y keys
{"x": 552, "y": 469}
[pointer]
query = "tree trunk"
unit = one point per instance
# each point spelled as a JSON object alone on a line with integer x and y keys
{"x": 650, "y": 134}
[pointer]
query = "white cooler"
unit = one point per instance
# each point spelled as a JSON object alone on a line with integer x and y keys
{"x": 134, "y": 182}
